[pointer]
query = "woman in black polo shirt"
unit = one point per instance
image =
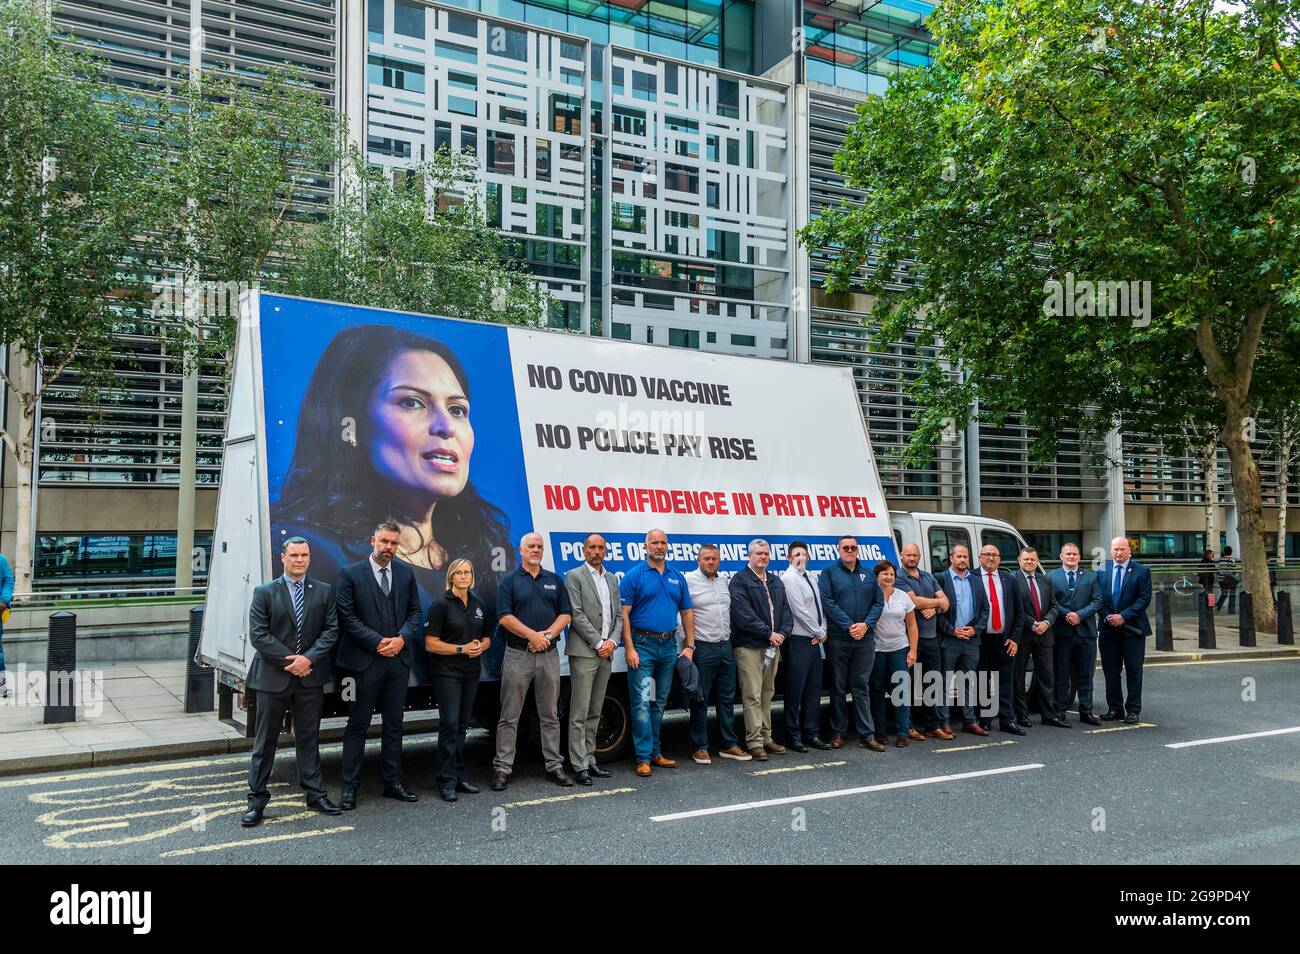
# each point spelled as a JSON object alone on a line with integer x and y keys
{"x": 454, "y": 635}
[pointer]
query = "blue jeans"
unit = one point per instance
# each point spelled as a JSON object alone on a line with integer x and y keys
{"x": 2, "y": 649}
{"x": 717, "y": 666}
{"x": 648, "y": 686}
{"x": 882, "y": 686}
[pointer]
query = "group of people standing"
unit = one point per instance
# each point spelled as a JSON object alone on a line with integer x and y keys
{"x": 870, "y": 627}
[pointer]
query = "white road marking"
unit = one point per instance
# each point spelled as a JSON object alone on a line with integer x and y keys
{"x": 797, "y": 768}
{"x": 1232, "y": 738}
{"x": 840, "y": 793}
{"x": 270, "y": 839}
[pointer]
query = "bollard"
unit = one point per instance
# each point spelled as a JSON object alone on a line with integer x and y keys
{"x": 1246, "y": 619}
{"x": 1164, "y": 623}
{"x": 1205, "y": 621}
{"x": 198, "y": 679}
{"x": 61, "y": 669}
{"x": 1285, "y": 628}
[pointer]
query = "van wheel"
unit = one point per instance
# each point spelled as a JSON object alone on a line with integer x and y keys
{"x": 614, "y": 737}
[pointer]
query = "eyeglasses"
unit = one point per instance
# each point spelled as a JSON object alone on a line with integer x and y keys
{"x": 848, "y": 549}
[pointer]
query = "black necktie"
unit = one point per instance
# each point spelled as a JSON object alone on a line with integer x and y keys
{"x": 1070, "y": 574}
{"x": 383, "y": 579}
{"x": 297, "y": 616}
{"x": 808, "y": 580}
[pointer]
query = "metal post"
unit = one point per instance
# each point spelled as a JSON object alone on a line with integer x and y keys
{"x": 199, "y": 679}
{"x": 1246, "y": 620}
{"x": 61, "y": 669}
{"x": 1205, "y": 621}
{"x": 1285, "y": 626}
{"x": 1164, "y": 623}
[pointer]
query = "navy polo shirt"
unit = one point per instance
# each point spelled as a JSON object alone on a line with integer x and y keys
{"x": 535, "y": 602}
{"x": 656, "y": 598}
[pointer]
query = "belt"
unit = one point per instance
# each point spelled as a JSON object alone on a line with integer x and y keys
{"x": 646, "y": 632}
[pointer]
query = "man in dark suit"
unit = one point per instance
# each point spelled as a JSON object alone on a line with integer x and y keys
{"x": 1038, "y": 612}
{"x": 959, "y": 638}
{"x": 379, "y": 613}
{"x": 1000, "y": 639}
{"x": 1125, "y": 595}
{"x": 292, "y": 625}
{"x": 1078, "y": 597}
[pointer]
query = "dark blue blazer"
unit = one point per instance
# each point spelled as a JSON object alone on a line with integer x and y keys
{"x": 1085, "y": 600}
{"x": 749, "y": 616}
{"x": 948, "y": 621}
{"x": 357, "y": 597}
{"x": 1134, "y": 598}
{"x": 849, "y": 597}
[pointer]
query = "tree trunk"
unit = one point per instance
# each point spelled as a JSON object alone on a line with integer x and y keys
{"x": 24, "y": 452}
{"x": 1250, "y": 517}
{"x": 1284, "y": 482}
{"x": 1210, "y": 472}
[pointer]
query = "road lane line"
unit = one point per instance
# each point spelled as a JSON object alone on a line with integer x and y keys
{"x": 981, "y": 745}
{"x": 201, "y": 849}
{"x": 1124, "y": 728}
{"x": 840, "y": 793}
{"x": 119, "y": 772}
{"x": 1241, "y": 661}
{"x": 1232, "y": 738}
{"x": 797, "y": 768}
{"x": 568, "y": 798}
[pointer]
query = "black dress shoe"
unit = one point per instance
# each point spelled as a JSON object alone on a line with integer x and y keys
{"x": 598, "y": 772}
{"x": 1059, "y": 723}
{"x": 325, "y": 806}
{"x": 582, "y": 777}
{"x": 465, "y": 788}
{"x": 1024, "y": 723}
{"x": 349, "y": 800}
{"x": 560, "y": 778}
{"x": 818, "y": 743}
{"x": 400, "y": 792}
{"x": 251, "y": 818}
{"x": 797, "y": 746}
{"x": 1131, "y": 718}
{"x": 447, "y": 793}
{"x": 1012, "y": 728}
{"x": 1110, "y": 715}
{"x": 499, "y": 781}
{"x": 1089, "y": 718}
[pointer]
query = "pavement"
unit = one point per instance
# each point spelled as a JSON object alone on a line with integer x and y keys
{"x": 136, "y": 710}
{"x": 1209, "y": 777}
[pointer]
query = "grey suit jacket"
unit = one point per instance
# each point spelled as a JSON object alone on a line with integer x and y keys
{"x": 588, "y": 616}
{"x": 1085, "y": 600}
{"x": 272, "y": 631}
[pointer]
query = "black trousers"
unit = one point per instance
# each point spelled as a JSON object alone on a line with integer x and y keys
{"x": 1080, "y": 654}
{"x": 994, "y": 660}
{"x": 928, "y": 660}
{"x": 382, "y": 689}
{"x": 803, "y": 689}
{"x": 1031, "y": 644}
{"x": 306, "y": 704}
{"x": 455, "y": 709}
{"x": 851, "y": 662}
{"x": 1120, "y": 651}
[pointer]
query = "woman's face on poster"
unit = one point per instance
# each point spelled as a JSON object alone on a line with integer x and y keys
{"x": 422, "y": 438}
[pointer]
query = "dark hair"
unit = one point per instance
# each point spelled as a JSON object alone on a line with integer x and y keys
{"x": 389, "y": 526}
{"x": 1027, "y": 549}
{"x": 291, "y": 541}
{"x": 884, "y": 565}
{"x": 847, "y": 536}
{"x": 796, "y": 543}
{"x": 331, "y": 485}
{"x": 708, "y": 546}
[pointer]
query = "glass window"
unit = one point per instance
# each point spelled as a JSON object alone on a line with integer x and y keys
{"x": 942, "y": 540}
{"x": 408, "y": 19}
{"x": 375, "y": 20}
{"x": 729, "y": 98}
{"x": 682, "y": 338}
{"x": 1007, "y": 544}
{"x": 618, "y": 329}
{"x": 566, "y": 114}
{"x": 743, "y": 341}
{"x": 395, "y": 74}
{"x": 644, "y": 85}
{"x": 461, "y": 24}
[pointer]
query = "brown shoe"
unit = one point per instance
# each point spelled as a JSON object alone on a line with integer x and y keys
{"x": 701, "y": 757}
{"x": 974, "y": 729}
{"x": 939, "y": 733}
{"x": 882, "y": 738}
{"x": 757, "y": 754}
{"x": 643, "y": 769}
{"x": 901, "y": 742}
{"x": 837, "y": 741}
{"x": 776, "y": 748}
{"x": 915, "y": 736}
{"x": 737, "y": 753}
{"x": 660, "y": 762}
{"x": 871, "y": 743}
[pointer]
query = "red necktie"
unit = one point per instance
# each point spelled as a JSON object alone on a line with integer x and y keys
{"x": 995, "y": 619}
{"x": 1033, "y": 593}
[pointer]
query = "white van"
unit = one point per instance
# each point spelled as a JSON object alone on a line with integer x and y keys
{"x": 938, "y": 533}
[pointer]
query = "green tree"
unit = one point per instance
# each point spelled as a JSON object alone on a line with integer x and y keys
{"x": 76, "y": 191}
{"x": 1057, "y": 149}
{"x": 417, "y": 239}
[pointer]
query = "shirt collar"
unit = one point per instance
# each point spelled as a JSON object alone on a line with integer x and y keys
{"x": 595, "y": 570}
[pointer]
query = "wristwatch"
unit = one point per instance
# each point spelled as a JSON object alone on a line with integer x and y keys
{"x": 459, "y": 648}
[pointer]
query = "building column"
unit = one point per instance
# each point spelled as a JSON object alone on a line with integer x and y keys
{"x": 971, "y": 464}
{"x": 800, "y": 335}
{"x": 1112, "y": 514}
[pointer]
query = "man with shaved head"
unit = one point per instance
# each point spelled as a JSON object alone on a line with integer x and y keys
{"x": 1125, "y": 596}
{"x": 532, "y": 610}
{"x": 930, "y": 601}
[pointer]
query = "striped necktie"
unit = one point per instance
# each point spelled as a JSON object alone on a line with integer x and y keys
{"x": 296, "y": 590}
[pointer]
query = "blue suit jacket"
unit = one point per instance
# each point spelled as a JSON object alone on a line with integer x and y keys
{"x": 357, "y": 597}
{"x": 948, "y": 621}
{"x": 1134, "y": 598}
{"x": 1085, "y": 600}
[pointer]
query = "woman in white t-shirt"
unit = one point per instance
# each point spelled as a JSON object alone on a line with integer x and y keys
{"x": 895, "y": 653}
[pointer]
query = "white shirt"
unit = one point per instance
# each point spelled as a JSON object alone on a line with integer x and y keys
{"x": 602, "y": 590}
{"x": 805, "y": 603}
{"x": 891, "y": 631}
{"x": 375, "y": 568}
{"x": 711, "y": 601}
{"x": 1002, "y": 603}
